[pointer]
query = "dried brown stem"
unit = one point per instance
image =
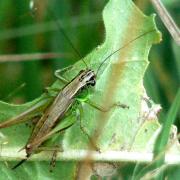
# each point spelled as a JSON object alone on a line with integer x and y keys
{"x": 30, "y": 57}
{"x": 167, "y": 20}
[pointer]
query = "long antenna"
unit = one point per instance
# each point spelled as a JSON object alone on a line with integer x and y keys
{"x": 125, "y": 45}
{"x": 65, "y": 36}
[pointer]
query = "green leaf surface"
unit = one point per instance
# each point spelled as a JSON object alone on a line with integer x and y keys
{"x": 119, "y": 80}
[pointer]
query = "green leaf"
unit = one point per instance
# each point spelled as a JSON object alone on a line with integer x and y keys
{"x": 120, "y": 80}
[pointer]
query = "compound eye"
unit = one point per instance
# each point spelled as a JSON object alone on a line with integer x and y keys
{"x": 81, "y": 71}
{"x": 93, "y": 83}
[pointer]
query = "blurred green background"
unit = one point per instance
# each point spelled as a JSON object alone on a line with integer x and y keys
{"x": 24, "y": 30}
{"x": 27, "y": 31}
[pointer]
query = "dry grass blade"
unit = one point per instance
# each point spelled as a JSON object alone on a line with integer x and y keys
{"x": 167, "y": 20}
{"x": 30, "y": 57}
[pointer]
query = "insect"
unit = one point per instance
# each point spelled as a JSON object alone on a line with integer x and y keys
{"x": 47, "y": 124}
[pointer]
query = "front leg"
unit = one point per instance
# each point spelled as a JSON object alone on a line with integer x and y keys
{"x": 106, "y": 109}
{"x": 57, "y": 73}
{"x": 59, "y": 76}
{"x": 51, "y": 91}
